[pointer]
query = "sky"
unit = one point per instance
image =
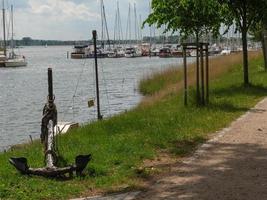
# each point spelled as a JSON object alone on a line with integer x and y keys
{"x": 69, "y": 19}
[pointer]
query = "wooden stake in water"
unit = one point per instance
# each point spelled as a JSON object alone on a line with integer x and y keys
{"x": 50, "y": 86}
{"x": 99, "y": 116}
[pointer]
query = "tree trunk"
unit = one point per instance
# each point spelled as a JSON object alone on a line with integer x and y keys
{"x": 245, "y": 57}
{"x": 264, "y": 47}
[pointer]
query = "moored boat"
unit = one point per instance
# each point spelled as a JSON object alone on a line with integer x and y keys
{"x": 116, "y": 53}
{"x": 17, "y": 61}
{"x": 154, "y": 52}
{"x": 11, "y": 59}
{"x": 165, "y": 52}
{"x": 132, "y": 52}
{"x": 145, "y": 49}
{"x": 80, "y": 52}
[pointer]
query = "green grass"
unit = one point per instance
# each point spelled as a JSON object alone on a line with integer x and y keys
{"x": 119, "y": 145}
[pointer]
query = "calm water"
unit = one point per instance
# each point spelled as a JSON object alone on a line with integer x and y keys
{"x": 23, "y": 91}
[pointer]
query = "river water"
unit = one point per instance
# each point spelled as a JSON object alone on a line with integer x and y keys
{"x": 23, "y": 91}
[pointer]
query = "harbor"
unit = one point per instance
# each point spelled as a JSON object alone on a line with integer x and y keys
{"x": 133, "y": 99}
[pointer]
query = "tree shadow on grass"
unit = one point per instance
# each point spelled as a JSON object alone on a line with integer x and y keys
{"x": 227, "y": 107}
{"x": 252, "y": 90}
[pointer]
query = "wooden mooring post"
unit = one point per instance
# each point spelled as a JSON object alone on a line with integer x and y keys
{"x": 50, "y": 86}
{"x": 99, "y": 116}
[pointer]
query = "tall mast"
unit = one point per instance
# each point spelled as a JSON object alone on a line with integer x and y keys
{"x": 12, "y": 30}
{"x": 4, "y": 26}
{"x": 119, "y": 23}
{"x": 135, "y": 23}
{"x": 115, "y": 28}
{"x": 130, "y": 25}
{"x": 104, "y": 22}
{"x": 150, "y": 28}
{"x": 140, "y": 28}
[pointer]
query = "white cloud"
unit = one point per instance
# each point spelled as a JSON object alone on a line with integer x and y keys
{"x": 62, "y": 10}
{"x": 68, "y": 19}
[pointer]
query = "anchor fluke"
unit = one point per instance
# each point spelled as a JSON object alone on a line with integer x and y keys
{"x": 81, "y": 162}
{"x": 20, "y": 164}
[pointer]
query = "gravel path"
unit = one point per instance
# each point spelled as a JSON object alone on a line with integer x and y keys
{"x": 232, "y": 166}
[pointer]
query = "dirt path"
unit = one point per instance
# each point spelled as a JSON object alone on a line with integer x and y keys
{"x": 231, "y": 166}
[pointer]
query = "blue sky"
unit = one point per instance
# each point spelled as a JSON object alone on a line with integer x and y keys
{"x": 68, "y": 19}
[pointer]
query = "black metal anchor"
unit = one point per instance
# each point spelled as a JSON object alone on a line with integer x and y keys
{"x": 49, "y": 122}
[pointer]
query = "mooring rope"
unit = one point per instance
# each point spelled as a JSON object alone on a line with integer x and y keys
{"x": 106, "y": 89}
{"x": 72, "y": 101}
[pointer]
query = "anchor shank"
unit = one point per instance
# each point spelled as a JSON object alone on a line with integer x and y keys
{"x": 49, "y": 121}
{"x": 50, "y": 160}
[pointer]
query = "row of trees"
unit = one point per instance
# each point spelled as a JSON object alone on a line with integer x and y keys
{"x": 27, "y": 41}
{"x": 198, "y": 17}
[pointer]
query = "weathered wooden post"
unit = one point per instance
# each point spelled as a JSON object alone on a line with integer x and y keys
{"x": 185, "y": 75}
{"x": 197, "y": 73}
{"x": 207, "y": 73}
{"x": 99, "y": 116}
{"x": 50, "y": 86}
{"x": 202, "y": 75}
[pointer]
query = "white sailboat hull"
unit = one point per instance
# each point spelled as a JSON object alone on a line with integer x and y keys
{"x": 15, "y": 63}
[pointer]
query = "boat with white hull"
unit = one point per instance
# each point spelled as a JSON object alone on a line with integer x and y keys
{"x": 16, "y": 62}
{"x": 132, "y": 52}
{"x": 11, "y": 60}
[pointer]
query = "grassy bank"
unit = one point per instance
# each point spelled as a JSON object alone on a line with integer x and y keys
{"x": 160, "y": 123}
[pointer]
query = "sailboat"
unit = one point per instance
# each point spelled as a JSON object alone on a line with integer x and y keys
{"x": 131, "y": 51}
{"x": 118, "y": 50}
{"x": 11, "y": 59}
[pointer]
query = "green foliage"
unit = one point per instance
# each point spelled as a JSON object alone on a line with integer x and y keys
{"x": 257, "y": 29}
{"x": 187, "y": 16}
{"x": 119, "y": 145}
{"x": 245, "y": 13}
